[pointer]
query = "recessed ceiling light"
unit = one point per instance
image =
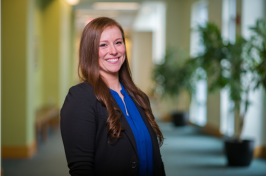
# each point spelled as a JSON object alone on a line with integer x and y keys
{"x": 115, "y": 5}
{"x": 73, "y": 2}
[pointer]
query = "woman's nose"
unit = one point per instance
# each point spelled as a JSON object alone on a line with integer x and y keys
{"x": 113, "y": 50}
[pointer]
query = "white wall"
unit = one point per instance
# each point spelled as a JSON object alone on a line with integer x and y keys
{"x": 255, "y": 118}
{"x": 148, "y": 42}
{"x": 229, "y": 11}
{"x": 151, "y": 18}
{"x": 198, "y": 108}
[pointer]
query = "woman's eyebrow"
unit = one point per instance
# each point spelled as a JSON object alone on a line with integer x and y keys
{"x": 103, "y": 40}
{"x": 108, "y": 41}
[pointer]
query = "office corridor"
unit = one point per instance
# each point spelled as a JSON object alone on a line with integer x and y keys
{"x": 186, "y": 152}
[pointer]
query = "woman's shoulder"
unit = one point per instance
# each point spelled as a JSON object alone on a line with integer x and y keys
{"x": 82, "y": 90}
{"x": 84, "y": 86}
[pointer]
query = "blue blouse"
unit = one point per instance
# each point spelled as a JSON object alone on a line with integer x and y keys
{"x": 140, "y": 131}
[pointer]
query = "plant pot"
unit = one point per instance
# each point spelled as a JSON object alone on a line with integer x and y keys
{"x": 180, "y": 118}
{"x": 239, "y": 153}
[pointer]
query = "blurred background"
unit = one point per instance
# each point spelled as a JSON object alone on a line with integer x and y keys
{"x": 201, "y": 62}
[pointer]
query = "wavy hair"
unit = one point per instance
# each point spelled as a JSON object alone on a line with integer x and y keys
{"x": 89, "y": 72}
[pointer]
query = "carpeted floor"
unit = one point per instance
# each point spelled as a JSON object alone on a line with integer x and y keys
{"x": 186, "y": 152}
{"x": 189, "y": 152}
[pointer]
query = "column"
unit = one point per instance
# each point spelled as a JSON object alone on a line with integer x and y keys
{"x": 17, "y": 79}
{"x": 213, "y": 99}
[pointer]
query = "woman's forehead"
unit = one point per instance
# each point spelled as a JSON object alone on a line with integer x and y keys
{"x": 111, "y": 32}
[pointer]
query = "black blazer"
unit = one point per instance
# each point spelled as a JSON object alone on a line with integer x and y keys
{"x": 85, "y": 138}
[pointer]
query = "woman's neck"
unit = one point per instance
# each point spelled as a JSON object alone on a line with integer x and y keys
{"x": 112, "y": 81}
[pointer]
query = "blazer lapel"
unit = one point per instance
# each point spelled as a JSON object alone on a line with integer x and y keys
{"x": 156, "y": 149}
{"x": 127, "y": 128}
{"x": 129, "y": 133}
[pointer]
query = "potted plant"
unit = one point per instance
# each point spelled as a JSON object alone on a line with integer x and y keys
{"x": 226, "y": 64}
{"x": 177, "y": 72}
{"x": 255, "y": 64}
{"x": 171, "y": 77}
{"x": 258, "y": 45}
{"x": 239, "y": 151}
{"x": 211, "y": 56}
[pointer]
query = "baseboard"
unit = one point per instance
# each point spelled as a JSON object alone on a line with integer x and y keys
{"x": 166, "y": 118}
{"x": 19, "y": 151}
{"x": 260, "y": 152}
{"x": 193, "y": 124}
{"x": 212, "y": 130}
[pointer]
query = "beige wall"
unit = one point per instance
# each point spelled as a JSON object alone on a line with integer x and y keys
{"x": 264, "y": 119}
{"x": 51, "y": 52}
{"x": 141, "y": 62}
{"x": 17, "y": 73}
{"x": 0, "y": 78}
{"x": 178, "y": 18}
{"x": 65, "y": 55}
{"x": 35, "y": 67}
{"x": 178, "y": 13}
{"x": 57, "y": 52}
{"x": 213, "y": 99}
{"x": 38, "y": 55}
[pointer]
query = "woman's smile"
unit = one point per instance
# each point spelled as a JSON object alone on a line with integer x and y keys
{"x": 113, "y": 60}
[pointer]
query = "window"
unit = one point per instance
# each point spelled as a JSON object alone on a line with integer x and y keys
{"x": 199, "y": 16}
{"x": 229, "y": 34}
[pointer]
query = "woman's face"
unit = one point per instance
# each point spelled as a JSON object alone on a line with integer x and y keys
{"x": 111, "y": 51}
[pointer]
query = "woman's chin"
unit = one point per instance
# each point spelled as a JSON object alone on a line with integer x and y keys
{"x": 109, "y": 72}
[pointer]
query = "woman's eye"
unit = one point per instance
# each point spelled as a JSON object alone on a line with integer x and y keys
{"x": 119, "y": 42}
{"x": 103, "y": 45}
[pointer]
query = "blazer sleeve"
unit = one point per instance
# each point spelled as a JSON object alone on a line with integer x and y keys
{"x": 163, "y": 170}
{"x": 78, "y": 130}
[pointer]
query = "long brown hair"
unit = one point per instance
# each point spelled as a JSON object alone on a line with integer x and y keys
{"x": 89, "y": 72}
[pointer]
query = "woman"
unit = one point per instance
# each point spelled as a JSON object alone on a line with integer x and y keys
{"x": 107, "y": 124}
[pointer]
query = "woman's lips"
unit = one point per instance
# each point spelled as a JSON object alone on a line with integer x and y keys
{"x": 112, "y": 60}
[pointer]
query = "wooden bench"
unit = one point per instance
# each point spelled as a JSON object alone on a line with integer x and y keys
{"x": 45, "y": 118}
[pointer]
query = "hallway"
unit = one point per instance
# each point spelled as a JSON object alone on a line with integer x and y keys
{"x": 186, "y": 152}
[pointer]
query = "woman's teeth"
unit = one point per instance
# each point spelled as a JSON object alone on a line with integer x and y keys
{"x": 112, "y": 60}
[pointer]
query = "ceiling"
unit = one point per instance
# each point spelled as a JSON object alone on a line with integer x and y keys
{"x": 84, "y": 11}
{"x": 88, "y": 3}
